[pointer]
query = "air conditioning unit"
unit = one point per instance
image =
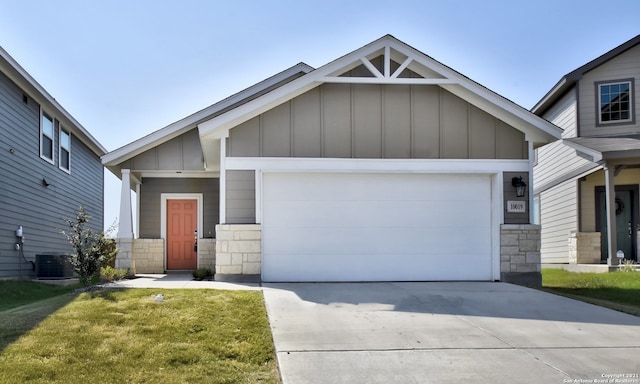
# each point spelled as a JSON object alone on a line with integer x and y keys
{"x": 53, "y": 266}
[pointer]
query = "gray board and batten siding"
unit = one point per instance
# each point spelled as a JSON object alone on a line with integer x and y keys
{"x": 377, "y": 121}
{"x": 182, "y": 153}
{"x": 150, "y": 200}
{"x": 241, "y": 197}
{"x": 371, "y": 121}
{"x": 24, "y": 199}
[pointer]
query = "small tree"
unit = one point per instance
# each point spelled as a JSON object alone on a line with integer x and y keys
{"x": 91, "y": 250}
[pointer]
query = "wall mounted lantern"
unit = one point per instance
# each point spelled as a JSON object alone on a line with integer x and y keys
{"x": 519, "y": 185}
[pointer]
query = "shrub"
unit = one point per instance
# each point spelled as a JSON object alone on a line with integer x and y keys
{"x": 628, "y": 266}
{"x": 202, "y": 273}
{"x": 91, "y": 250}
{"x": 110, "y": 274}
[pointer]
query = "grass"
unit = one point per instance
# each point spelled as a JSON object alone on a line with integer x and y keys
{"x": 125, "y": 336}
{"x": 17, "y": 293}
{"x": 615, "y": 290}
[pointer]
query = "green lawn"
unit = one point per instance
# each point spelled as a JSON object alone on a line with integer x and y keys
{"x": 615, "y": 290}
{"x": 16, "y": 293}
{"x": 125, "y": 336}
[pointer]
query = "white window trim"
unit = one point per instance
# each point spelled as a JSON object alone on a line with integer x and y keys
{"x": 631, "y": 118}
{"x": 60, "y": 148}
{"x": 53, "y": 140}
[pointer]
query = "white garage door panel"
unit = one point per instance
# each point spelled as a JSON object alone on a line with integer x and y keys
{"x": 371, "y": 268}
{"x": 357, "y": 213}
{"x": 343, "y": 241}
{"x": 366, "y": 227}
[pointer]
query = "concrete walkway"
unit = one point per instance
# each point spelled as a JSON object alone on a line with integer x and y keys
{"x": 446, "y": 333}
{"x": 183, "y": 280}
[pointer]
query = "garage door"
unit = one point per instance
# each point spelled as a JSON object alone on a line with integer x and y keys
{"x": 376, "y": 227}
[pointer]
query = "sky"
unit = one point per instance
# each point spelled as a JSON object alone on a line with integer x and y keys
{"x": 126, "y": 68}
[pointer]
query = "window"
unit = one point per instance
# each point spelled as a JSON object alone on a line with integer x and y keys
{"x": 65, "y": 149}
{"x": 46, "y": 138}
{"x": 615, "y": 102}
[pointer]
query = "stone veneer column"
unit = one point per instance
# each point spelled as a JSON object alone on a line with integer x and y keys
{"x": 520, "y": 254}
{"x": 149, "y": 255}
{"x": 207, "y": 253}
{"x": 238, "y": 249}
{"x": 584, "y": 247}
{"x": 125, "y": 258}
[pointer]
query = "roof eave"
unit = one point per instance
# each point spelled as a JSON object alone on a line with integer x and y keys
{"x": 570, "y": 79}
{"x": 20, "y": 76}
{"x": 190, "y": 122}
{"x": 535, "y": 127}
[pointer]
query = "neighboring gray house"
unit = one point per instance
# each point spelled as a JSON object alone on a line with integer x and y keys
{"x": 382, "y": 165}
{"x": 50, "y": 166}
{"x": 599, "y": 154}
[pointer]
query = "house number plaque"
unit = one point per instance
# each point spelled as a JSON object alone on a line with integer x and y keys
{"x": 516, "y": 206}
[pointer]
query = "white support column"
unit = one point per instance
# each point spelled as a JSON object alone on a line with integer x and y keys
{"x": 125, "y": 257}
{"x": 610, "y": 204}
{"x": 223, "y": 180}
{"x": 530, "y": 181}
{"x": 125, "y": 226}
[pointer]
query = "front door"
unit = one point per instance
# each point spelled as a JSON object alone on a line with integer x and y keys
{"x": 626, "y": 221}
{"x": 182, "y": 222}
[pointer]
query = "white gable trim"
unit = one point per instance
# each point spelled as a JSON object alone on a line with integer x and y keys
{"x": 182, "y": 126}
{"x": 535, "y": 127}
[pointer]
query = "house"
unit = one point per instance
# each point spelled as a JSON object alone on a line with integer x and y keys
{"x": 382, "y": 165}
{"x": 587, "y": 183}
{"x": 50, "y": 166}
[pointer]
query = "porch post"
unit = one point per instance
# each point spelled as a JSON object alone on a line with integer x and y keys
{"x": 530, "y": 181}
{"x": 125, "y": 225}
{"x": 125, "y": 259}
{"x": 223, "y": 180}
{"x": 610, "y": 204}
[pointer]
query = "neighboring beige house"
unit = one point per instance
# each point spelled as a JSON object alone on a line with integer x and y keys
{"x": 383, "y": 165}
{"x": 599, "y": 153}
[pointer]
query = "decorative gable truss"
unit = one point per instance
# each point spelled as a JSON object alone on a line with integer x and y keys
{"x": 387, "y": 66}
{"x": 386, "y": 61}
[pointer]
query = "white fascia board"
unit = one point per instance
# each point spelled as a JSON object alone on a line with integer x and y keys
{"x": 539, "y": 129}
{"x": 542, "y": 130}
{"x": 178, "y": 174}
{"x": 145, "y": 143}
{"x": 596, "y": 156}
{"x": 287, "y": 92}
{"x": 297, "y": 164}
{"x": 181, "y": 126}
{"x": 457, "y": 81}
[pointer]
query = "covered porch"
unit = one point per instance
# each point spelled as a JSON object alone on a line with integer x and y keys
{"x": 608, "y": 207}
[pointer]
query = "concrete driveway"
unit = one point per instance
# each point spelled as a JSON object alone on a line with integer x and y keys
{"x": 446, "y": 333}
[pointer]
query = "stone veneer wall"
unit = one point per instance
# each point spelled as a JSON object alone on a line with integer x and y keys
{"x": 520, "y": 254}
{"x": 584, "y": 247}
{"x": 124, "y": 258}
{"x": 148, "y": 255}
{"x": 238, "y": 249}
{"x": 207, "y": 253}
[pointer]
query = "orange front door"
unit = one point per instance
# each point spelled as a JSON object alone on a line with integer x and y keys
{"x": 182, "y": 221}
